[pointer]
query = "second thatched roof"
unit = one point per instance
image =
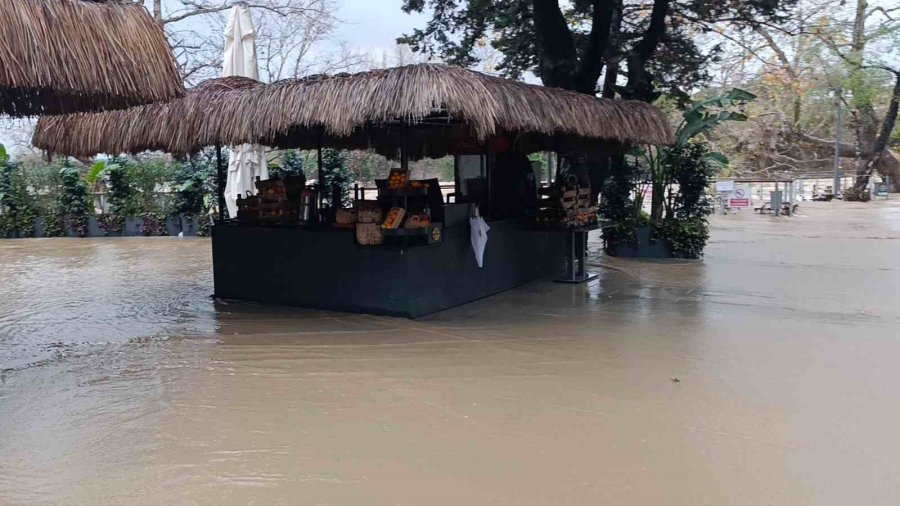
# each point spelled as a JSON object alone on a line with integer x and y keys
{"x": 61, "y": 56}
{"x": 437, "y": 108}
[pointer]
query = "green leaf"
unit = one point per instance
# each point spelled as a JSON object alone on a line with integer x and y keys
{"x": 96, "y": 172}
{"x": 3, "y": 156}
{"x": 718, "y": 159}
{"x": 702, "y": 116}
{"x": 731, "y": 116}
{"x": 739, "y": 95}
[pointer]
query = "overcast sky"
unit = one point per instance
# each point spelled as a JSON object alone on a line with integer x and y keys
{"x": 374, "y": 25}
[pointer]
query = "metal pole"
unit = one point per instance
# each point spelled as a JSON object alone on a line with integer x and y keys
{"x": 320, "y": 184}
{"x": 220, "y": 182}
{"x": 836, "y": 187}
{"x": 404, "y": 151}
{"x": 549, "y": 167}
{"x": 321, "y": 174}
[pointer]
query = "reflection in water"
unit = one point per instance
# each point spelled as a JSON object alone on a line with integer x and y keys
{"x": 123, "y": 382}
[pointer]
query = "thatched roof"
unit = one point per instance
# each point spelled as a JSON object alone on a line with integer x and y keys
{"x": 161, "y": 126}
{"x": 438, "y": 108}
{"x": 61, "y": 56}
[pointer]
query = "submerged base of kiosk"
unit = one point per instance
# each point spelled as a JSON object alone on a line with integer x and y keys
{"x": 325, "y": 269}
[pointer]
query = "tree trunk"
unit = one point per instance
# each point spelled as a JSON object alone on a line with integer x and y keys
{"x": 872, "y": 162}
{"x": 640, "y": 81}
{"x": 598, "y": 171}
{"x": 558, "y": 62}
{"x": 889, "y": 165}
{"x": 157, "y": 11}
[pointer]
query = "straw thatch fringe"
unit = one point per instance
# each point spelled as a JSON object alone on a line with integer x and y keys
{"x": 453, "y": 109}
{"x": 60, "y": 56}
{"x": 162, "y": 126}
{"x": 487, "y": 105}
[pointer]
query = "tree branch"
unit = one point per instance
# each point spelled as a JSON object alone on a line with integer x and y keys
{"x": 592, "y": 61}
{"x": 199, "y": 9}
{"x": 556, "y": 46}
{"x": 640, "y": 85}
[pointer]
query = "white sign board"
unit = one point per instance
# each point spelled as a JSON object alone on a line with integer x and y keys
{"x": 724, "y": 186}
{"x": 740, "y": 196}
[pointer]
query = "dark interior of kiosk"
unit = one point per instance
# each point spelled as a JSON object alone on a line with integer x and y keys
{"x": 493, "y": 177}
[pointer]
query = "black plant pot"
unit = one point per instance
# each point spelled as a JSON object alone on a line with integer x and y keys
{"x": 133, "y": 226}
{"x": 93, "y": 228}
{"x": 647, "y": 246}
{"x": 173, "y": 225}
{"x": 38, "y": 227}
{"x": 189, "y": 225}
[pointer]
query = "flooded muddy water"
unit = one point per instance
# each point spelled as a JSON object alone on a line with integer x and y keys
{"x": 765, "y": 374}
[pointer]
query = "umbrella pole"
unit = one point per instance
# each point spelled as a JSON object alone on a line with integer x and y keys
{"x": 321, "y": 173}
{"x": 404, "y": 150}
{"x": 220, "y": 182}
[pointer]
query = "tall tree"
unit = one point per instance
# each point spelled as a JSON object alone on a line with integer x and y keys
{"x": 859, "y": 42}
{"x": 872, "y": 135}
{"x": 651, "y": 44}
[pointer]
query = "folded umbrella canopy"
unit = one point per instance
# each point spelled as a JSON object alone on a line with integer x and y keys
{"x": 246, "y": 162}
{"x": 478, "y": 230}
{"x": 61, "y": 56}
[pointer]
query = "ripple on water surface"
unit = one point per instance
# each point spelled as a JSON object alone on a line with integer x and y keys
{"x": 66, "y": 295}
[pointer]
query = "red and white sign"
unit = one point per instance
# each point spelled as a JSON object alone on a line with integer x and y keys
{"x": 740, "y": 197}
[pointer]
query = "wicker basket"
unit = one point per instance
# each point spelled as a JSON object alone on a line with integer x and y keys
{"x": 369, "y": 212}
{"x": 344, "y": 217}
{"x": 369, "y": 234}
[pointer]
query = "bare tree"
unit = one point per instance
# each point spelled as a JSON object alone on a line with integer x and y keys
{"x": 867, "y": 55}
{"x": 798, "y": 67}
{"x": 288, "y": 33}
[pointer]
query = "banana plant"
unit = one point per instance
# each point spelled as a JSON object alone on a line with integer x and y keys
{"x": 706, "y": 115}
{"x": 98, "y": 172}
{"x": 701, "y": 118}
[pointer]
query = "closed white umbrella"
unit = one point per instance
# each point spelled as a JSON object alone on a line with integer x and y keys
{"x": 247, "y": 161}
{"x": 478, "y": 235}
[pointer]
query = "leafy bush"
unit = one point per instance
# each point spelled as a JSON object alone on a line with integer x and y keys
{"x": 154, "y": 224}
{"x": 678, "y": 216}
{"x": 134, "y": 185}
{"x": 148, "y": 177}
{"x": 18, "y": 208}
{"x": 111, "y": 224}
{"x": 623, "y": 216}
{"x": 291, "y": 165}
{"x": 693, "y": 172}
{"x": 194, "y": 182}
{"x": 203, "y": 225}
{"x": 120, "y": 194}
{"x": 73, "y": 205}
{"x": 687, "y": 229}
{"x": 686, "y": 236}
{"x": 857, "y": 195}
{"x": 337, "y": 174}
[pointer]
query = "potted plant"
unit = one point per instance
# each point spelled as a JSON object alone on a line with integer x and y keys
{"x": 675, "y": 177}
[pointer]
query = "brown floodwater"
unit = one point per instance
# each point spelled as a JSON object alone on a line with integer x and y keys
{"x": 765, "y": 374}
